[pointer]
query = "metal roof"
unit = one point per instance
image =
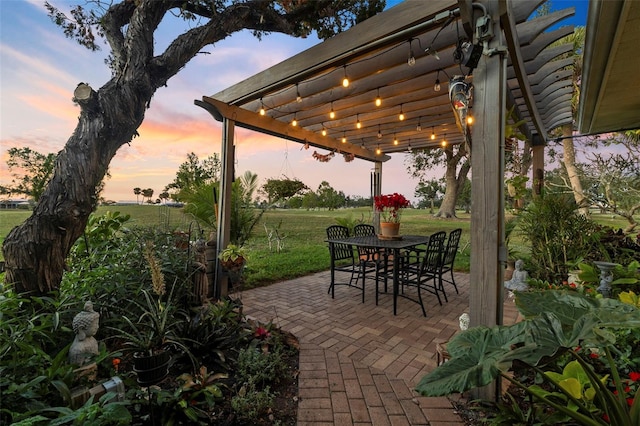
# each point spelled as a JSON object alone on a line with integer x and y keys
{"x": 375, "y": 55}
{"x": 610, "y": 90}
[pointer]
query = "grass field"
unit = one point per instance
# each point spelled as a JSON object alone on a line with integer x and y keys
{"x": 304, "y": 233}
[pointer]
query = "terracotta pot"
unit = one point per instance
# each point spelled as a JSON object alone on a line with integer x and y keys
{"x": 389, "y": 229}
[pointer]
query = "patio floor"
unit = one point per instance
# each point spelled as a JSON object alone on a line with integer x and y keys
{"x": 359, "y": 363}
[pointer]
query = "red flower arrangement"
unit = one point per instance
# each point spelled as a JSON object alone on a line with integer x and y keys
{"x": 390, "y": 206}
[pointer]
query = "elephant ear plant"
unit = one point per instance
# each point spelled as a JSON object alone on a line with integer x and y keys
{"x": 556, "y": 325}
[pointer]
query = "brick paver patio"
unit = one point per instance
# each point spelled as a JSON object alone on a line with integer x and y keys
{"x": 359, "y": 363}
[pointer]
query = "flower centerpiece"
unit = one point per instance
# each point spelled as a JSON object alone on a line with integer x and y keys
{"x": 390, "y": 207}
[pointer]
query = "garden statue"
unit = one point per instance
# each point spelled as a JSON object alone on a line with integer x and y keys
{"x": 606, "y": 277}
{"x": 518, "y": 281}
{"x": 464, "y": 321}
{"x": 85, "y": 325}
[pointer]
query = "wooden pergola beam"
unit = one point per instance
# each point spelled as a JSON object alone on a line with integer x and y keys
{"x": 268, "y": 125}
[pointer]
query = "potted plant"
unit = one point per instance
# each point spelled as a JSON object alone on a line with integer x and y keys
{"x": 233, "y": 258}
{"x": 151, "y": 336}
{"x": 390, "y": 207}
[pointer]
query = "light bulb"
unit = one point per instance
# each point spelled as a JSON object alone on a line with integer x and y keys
{"x": 262, "y": 111}
{"x": 378, "y": 150}
{"x": 395, "y": 140}
{"x": 379, "y": 132}
{"x": 298, "y": 96}
{"x": 345, "y": 80}
{"x": 294, "y": 123}
{"x": 401, "y": 116}
{"x": 418, "y": 128}
{"x": 358, "y": 123}
{"x": 344, "y": 139}
{"x": 332, "y": 114}
{"x": 412, "y": 60}
{"x": 469, "y": 119}
{"x": 324, "y": 132}
{"x": 436, "y": 87}
{"x": 378, "y": 98}
{"x": 433, "y": 134}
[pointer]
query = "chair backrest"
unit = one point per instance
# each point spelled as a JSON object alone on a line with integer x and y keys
{"x": 363, "y": 229}
{"x": 433, "y": 253}
{"x": 449, "y": 254}
{"x": 340, "y": 251}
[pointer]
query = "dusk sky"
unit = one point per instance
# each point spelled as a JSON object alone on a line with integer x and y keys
{"x": 40, "y": 68}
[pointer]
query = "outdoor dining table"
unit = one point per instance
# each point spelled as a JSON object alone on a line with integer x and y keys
{"x": 390, "y": 245}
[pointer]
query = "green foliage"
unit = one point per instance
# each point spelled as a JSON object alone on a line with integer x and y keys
{"x": 99, "y": 231}
{"x": 192, "y": 174}
{"x": 251, "y": 402}
{"x": 282, "y": 189}
{"x": 350, "y": 221}
{"x": 555, "y": 324}
{"x": 558, "y": 236}
{"x": 31, "y": 171}
{"x": 263, "y": 367}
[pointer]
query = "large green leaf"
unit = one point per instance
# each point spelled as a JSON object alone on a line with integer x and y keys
{"x": 478, "y": 355}
{"x": 567, "y": 306}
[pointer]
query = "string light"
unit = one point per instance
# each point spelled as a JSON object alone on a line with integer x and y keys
{"x": 378, "y": 150}
{"x": 298, "y": 97}
{"x": 344, "y": 137}
{"x": 436, "y": 86}
{"x": 444, "y": 141}
{"x": 395, "y": 140}
{"x": 378, "y": 98}
{"x": 262, "y": 110}
{"x": 345, "y": 80}
{"x": 419, "y": 127}
{"x": 324, "y": 130}
{"x": 401, "y": 116}
{"x": 409, "y": 149}
{"x": 433, "y": 134}
{"x": 358, "y": 123}
{"x": 469, "y": 119}
{"x": 332, "y": 113}
{"x": 379, "y": 132}
{"x": 294, "y": 123}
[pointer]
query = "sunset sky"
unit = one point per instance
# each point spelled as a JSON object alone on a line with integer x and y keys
{"x": 40, "y": 68}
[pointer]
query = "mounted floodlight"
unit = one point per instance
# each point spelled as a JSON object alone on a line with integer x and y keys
{"x": 460, "y": 97}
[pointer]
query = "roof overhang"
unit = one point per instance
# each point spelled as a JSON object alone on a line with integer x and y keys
{"x": 610, "y": 89}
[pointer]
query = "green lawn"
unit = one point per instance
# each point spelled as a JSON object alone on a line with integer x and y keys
{"x": 304, "y": 233}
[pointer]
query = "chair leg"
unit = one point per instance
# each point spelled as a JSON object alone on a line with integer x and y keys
{"x": 424, "y": 312}
{"x": 441, "y": 285}
{"x": 453, "y": 281}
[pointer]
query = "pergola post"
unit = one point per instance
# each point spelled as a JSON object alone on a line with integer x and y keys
{"x": 487, "y": 193}
{"x": 221, "y": 288}
{"x": 537, "y": 169}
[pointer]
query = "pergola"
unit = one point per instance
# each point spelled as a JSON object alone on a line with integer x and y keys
{"x": 437, "y": 63}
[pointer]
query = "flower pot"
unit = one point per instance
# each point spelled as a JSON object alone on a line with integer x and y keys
{"x": 151, "y": 369}
{"x": 389, "y": 229}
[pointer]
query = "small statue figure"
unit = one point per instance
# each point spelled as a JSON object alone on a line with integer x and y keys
{"x": 518, "y": 281}
{"x": 85, "y": 325}
{"x": 464, "y": 321}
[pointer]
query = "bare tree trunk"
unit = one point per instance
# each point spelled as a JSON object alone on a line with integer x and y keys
{"x": 35, "y": 251}
{"x": 454, "y": 184}
{"x": 572, "y": 171}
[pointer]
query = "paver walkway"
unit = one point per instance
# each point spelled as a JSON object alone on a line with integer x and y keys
{"x": 359, "y": 363}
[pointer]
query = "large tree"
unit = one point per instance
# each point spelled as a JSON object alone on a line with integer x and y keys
{"x": 454, "y": 177}
{"x": 30, "y": 171}
{"x": 35, "y": 251}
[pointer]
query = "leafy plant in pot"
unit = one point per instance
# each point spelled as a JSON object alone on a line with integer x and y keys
{"x": 151, "y": 336}
{"x": 233, "y": 258}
